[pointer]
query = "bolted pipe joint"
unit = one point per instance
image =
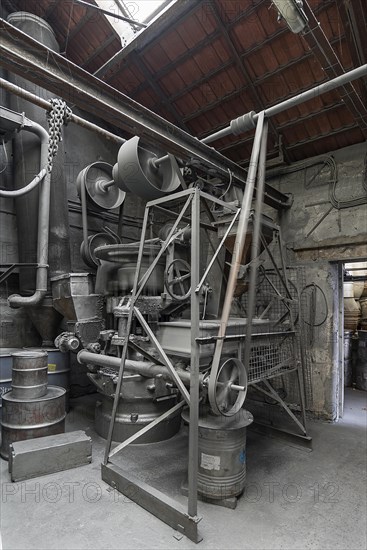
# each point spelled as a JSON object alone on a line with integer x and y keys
{"x": 243, "y": 123}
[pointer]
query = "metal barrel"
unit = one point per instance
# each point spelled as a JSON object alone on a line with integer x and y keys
{"x": 361, "y": 366}
{"x": 27, "y": 419}
{"x": 29, "y": 374}
{"x": 348, "y": 371}
{"x": 222, "y": 454}
{"x": 6, "y": 363}
{"x": 58, "y": 369}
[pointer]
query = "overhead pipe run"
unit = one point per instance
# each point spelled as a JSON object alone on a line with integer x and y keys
{"x": 47, "y": 106}
{"x": 245, "y": 122}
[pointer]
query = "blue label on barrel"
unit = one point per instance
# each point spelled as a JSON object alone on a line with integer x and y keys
{"x": 243, "y": 456}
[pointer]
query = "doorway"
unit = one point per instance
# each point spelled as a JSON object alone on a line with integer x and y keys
{"x": 353, "y": 375}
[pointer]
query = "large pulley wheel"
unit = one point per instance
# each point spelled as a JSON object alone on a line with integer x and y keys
{"x": 177, "y": 280}
{"x": 228, "y": 388}
{"x": 137, "y": 172}
{"x": 100, "y": 189}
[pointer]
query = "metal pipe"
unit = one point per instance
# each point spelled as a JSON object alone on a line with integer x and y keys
{"x": 297, "y": 100}
{"x": 255, "y": 245}
{"x": 112, "y": 14}
{"x": 44, "y": 104}
{"x": 15, "y": 300}
{"x": 144, "y": 368}
{"x": 237, "y": 255}
{"x": 26, "y": 189}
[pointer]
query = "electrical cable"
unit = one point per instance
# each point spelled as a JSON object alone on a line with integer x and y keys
{"x": 315, "y": 286}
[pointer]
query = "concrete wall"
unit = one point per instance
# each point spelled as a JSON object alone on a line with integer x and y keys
{"x": 317, "y": 235}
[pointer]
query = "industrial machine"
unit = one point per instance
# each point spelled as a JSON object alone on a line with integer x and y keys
{"x": 182, "y": 322}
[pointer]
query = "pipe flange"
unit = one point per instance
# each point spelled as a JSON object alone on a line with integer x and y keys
{"x": 243, "y": 123}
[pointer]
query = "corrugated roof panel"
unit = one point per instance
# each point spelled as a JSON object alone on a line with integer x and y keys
{"x": 187, "y": 103}
{"x": 267, "y": 18}
{"x": 104, "y": 56}
{"x": 156, "y": 57}
{"x": 148, "y": 98}
{"x": 230, "y": 10}
{"x": 130, "y": 78}
{"x": 248, "y": 32}
{"x": 173, "y": 83}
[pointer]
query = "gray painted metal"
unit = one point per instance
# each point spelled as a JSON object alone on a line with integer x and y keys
{"x": 153, "y": 500}
{"x": 29, "y": 374}
{"x": 50, "y": 454}
{"x": 137, "y": 172}
{"x": 237, "y": 257}
{"x": 135, "y": 413}
{"x": 6, "y": 363}
{"x": 26, "y": 161}
{"x": 27, "y": 419}
{"x": 222, "y": 454}
{"x": 359, "y": 72}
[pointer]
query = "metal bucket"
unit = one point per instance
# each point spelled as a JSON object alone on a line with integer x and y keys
{"x": 29, "y": 374}
{"x": 222, "y": 454}
{"x": 6, "y": 362}
{"x": 361, "y": 367}
{"x": 27, "y": 419}
{"x": 348, "y": 365}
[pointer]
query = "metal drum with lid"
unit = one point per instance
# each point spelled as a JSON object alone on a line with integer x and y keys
{"x": 6, "y": 362}
{"x": 29, "y": 374}
{"x": 26, "y": 419}
{"x": 222, "y": 454}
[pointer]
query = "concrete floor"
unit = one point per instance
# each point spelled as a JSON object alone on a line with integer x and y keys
{"x": 294, "y": 499}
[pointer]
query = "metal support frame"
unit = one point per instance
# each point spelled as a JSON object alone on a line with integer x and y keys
{"x": 149, "y": 498}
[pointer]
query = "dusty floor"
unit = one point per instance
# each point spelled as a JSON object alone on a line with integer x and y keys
{"x": 293, "y": 500}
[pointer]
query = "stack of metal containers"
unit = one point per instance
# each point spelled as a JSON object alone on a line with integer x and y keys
{"x": 32, "y": 409}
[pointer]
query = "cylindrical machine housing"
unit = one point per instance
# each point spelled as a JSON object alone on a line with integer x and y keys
{"x": 222, "y": 454}
{"x": 361, "y": 367}
{"x": 29, "y": 374}
{"x": 136, "y": 409}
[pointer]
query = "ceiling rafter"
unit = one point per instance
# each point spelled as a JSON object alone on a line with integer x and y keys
{"x": 99, "y": 51}
{"x": 331, "y": 64}
{"x": 356, "y": 37}
{"x": 256, "y": 82}
{"x": 243, "y": 70}
{"x": 177, "y": 118}
{"x": 77, "y": 28}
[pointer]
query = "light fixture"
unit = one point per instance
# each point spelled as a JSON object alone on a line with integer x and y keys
{"x": 292, "y": 12}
